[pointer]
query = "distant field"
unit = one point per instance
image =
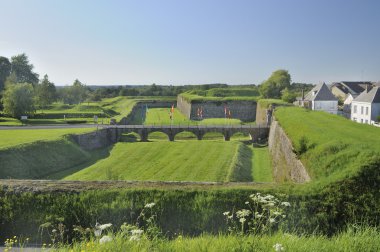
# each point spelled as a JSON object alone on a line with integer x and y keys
{"x": 9, "y": 138}
{"x": 157, "y": 116}
{"x": 165, "y": 161}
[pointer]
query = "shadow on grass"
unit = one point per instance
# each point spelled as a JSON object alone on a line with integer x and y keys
{"x": 96, "y": 155}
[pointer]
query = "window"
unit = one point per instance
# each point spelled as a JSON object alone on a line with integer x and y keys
{"x": 361, "y": 109}
{"x": 366, "y": 110}
{"x": 355, "y": 108}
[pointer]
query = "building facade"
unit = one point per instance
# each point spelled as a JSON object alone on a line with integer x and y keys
{"x": 366, "y": 107}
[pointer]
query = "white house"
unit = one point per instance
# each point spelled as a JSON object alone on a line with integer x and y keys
{"x": 321, "y": 98}
{"x": 366, "y": 107}
{"x": 347, "y": 105}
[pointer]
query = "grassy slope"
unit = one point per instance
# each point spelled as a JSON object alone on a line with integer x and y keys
{"x": 10, "y": 138}
{"x": 170, "y": 161}
{"x": 336, "y": 147}
{"x": 262, "y": 168}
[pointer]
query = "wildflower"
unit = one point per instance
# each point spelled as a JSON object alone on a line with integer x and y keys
{"x": 104, "y": 226}
{"x": 278, "y": 247}
{"x": 150, "y": 205}
{"x": 105, "y": 239}
{"x": 226, "y": 213}
{"x": 243, "y": 213}
{"x": 247, "y": 203}
{"x": 137, "y": 232}
{"x": 271, "y": 220}
{"x": 276, "y": 213}
{"x": 258, "y": 216}
{"x": 287, "y": 204}
{"x": 134, "y": 238}
{"x": 242, "y": 220}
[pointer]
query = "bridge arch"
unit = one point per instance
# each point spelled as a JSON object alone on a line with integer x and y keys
{"x": 158, "y": 135}
{"x": 187, "y": 134}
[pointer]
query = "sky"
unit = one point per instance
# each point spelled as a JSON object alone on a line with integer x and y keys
{"x": 178, "y": 42}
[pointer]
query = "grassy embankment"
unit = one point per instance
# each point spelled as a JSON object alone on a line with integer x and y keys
{"x": 36, "y": 153}
{"x": 167, "y": 161}
{"x": 366, "y": 239}
{"x": 331, "y": 147}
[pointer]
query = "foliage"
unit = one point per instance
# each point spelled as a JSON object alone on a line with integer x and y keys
{"x": 23, "y": 70}
{"x": 263, "y": 215}
{"x": 74, "y": 94}
{"x": 45, "y": 92}
{"x": 5, "y": 70}
{"x": 265, "y": 103}
{"x": 288, "y": 96}
{"x": 18, "y": 100}
{"x": 278, "y": 81}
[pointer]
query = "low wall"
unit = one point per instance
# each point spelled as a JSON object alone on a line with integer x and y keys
{"x": 243, "y": 110}
{"x": 286, "y": 165}
{"x": 97, "y": 139}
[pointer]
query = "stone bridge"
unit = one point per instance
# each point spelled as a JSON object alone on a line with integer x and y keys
{"x": 256, "y": 132}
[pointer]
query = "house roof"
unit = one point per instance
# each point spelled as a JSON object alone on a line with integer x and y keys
{"x": 372, "y": 96}
{"x": 352, "y": 87}
{"x": 320, "y": 93}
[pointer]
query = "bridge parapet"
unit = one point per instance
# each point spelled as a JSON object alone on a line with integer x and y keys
{"x": 256, "y": 132}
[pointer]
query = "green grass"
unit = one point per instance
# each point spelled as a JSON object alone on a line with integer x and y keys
{"x": 333, "y": 147}
{"x": 11, "y": 138}
{"x": 262, "y": 169}
{"x": 158, "y": 116}
{"x": 264, "y": 103}
{"x": 165, "y": 161}
{"x": 351, "y": 240}
{"x": 7, "y": 121}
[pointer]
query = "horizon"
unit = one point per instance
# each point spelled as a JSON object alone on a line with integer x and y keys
{"x": 122, "y": 43}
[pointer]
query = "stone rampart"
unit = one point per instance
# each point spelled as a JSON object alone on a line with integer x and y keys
{"x": 286, "y": 165}
{"x": 243, "y": 110}
{"x": 97, "y": 139}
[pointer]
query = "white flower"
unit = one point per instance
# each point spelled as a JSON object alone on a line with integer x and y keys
{"x": 272, "y": 220}
{"x": 150, "y": 205}
{"x": 105, "y": 239}
{"x": 287, "y": 204}
{"x": 242, "y": 220}
{"x": 134, "y": 238}
{"x": 276, "y": 213}
{"x": 243, "y": 213}
{"x": 226, "y": 213}
{"x": 246, "y": 202}
{"x": 104, "y": 226}
{"x": 137, "y": 232}
{"x": 258, "y": 216}
{"x": 97, "y": 232}
{"x": 278, "y": 247}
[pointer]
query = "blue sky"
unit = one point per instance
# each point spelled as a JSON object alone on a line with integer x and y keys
{"x": 192, "y": 42}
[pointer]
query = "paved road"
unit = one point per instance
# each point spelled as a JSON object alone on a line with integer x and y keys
{"x": 79, "y": 126}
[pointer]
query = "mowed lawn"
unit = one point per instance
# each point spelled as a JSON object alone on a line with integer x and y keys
{"x": 9, "y": 138}
{"x": 164, "y": 161}
{"x": 158, "y": 116}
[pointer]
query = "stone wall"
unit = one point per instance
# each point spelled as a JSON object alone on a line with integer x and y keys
{"x": 286, "y": 165}
{"x": 97, "y": 139}
{"x": 243, "y": 110}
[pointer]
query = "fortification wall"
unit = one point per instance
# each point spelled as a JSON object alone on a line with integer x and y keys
{"x": 286, "y": 165}
{"x": 261, "y": 114}
{"x": 243, "y": 110}
{"x": 97, "y": 139}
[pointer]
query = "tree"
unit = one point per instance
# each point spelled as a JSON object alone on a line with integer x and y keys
{"x": 18, "y": 100}
{"x": 5, "y": 70}
{"x": 45, "y": 92}
{"x": 288, "y": 96}
{"x": 23, "y": 70}
{"x": 79, "y": 91}
{"x": 278, "y": 81}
